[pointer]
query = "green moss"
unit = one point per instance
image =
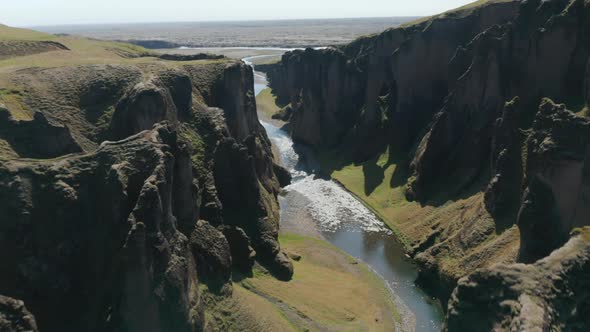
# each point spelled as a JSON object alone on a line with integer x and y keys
{"x": 190, "y": 134}
{"x": 13, "y": 100}
{"x": 104, "y": 120}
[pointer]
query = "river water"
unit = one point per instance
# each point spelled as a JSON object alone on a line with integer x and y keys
{"x": 321, "y": 207}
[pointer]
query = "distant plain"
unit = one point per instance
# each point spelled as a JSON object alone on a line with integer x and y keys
{"x": 284, "y": 33}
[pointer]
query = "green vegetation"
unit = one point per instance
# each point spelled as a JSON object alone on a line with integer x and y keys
{"x": 462, "y": 11}
{"x": 266, "y": 103}
{"x": 9, "y": 33}
{"x": 329, "y": 291}
{"x": 12, "y": 100}
{"x": 243, "y": 311}
{"x": 81, "y": 51}
{"x": 380, "y": 182}
{"x": 190, "y": 133}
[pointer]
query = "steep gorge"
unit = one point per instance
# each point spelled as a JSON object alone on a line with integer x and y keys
{"x": 129, "y": 190}
{"x": 471, "y": 107}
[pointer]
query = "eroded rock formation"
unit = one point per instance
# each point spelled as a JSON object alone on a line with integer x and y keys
{"x": 14, "y": 316}
{"x": 94, "y": 241}
{"x": 460, "y": 99}
{"x": 102, "y": 200}
{"x": 551, "y": 294}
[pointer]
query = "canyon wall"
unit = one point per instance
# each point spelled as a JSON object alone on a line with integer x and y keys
{"x": 485, "y": 105}
{"x": 127, "y": 189}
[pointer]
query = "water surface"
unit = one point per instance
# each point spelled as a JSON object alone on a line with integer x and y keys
{"x": 322, "y": 207}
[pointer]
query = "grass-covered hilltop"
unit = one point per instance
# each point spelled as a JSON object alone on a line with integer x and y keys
{"x": 139, "y": 193}
{"x": 468, "y": 133}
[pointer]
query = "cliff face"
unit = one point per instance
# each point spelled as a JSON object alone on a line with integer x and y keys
{"x": 459, "y": 99}
{"x": 94, "y": 241}
{"x": 551, "y": 294}
{"x": 103, "y": 187}
{"x": 400, "y": 76}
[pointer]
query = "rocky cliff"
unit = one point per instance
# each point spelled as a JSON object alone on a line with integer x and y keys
{"x": 128, "y": 189}
{"x": 548, "y": 295}
{"x": 484, "y": 112}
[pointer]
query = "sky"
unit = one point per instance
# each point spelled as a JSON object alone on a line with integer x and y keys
{"x": 25, "y": 13}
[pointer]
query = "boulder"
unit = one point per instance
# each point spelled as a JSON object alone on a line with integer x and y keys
{"x": 14, "y": 316}
{"x": 281, "y": 266}
{"x": 213, "y": 256}
{"x": 242, "y": 252}
{"x": 283, "y": 175}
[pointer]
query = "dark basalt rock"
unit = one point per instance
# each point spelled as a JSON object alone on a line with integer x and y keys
{"x": 283, "y": 175}
{"x": 280, "y": 266}
{"x": 104, "y": 236}
{"x": 349, "y": 92}
{"x": 456, "y": 98}
{"x": 37, "y": 138}
{"x": 145, "y": 105}
{"x": 93, "y": 239}
{"x": 558, "y": 192}
{"x": 212, "y": 253}
{"x": 14, "y": 316}
{"x": 242, "y": 252}
{"x": 267, "y": 67}
{"x": 552, "y": 294}
{"x": 502, "y": 197}
{"x": 542, "y": 53}
{"x": 190, "y": 57}
{"x": 284, "y": 114}
{"x": 152, "y": 43}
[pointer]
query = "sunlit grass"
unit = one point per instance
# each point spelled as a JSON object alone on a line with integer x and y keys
{"x": 266, "y": 103}
{"x": 329, "y": 290}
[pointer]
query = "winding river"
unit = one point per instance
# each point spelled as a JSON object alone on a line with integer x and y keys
{"x": 321, "y": 207}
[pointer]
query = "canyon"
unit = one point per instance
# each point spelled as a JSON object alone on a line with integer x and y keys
{"x": 143, "y": 191}
{"x": 469, "y": 134}
{"x": 108, "y": 164}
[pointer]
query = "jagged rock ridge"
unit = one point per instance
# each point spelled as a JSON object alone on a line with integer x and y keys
{"x": 106, "y": 171}
{"x": 475, "y": 102}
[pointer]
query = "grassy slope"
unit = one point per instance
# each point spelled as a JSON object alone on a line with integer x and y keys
{"x": 22, "y": 80}
{"x": 266, "y": 103}
{"x": 460, "y": 11}
{"x": 379, "y": 183}
{"x": 329, "y": 291}
{"x": 82, "y": 51}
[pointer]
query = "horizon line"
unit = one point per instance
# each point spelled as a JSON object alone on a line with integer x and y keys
{"x": 212, "y": 21}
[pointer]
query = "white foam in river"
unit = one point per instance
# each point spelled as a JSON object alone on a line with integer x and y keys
{"x": 334, "y": 208}
{"x": 330, "y": 205}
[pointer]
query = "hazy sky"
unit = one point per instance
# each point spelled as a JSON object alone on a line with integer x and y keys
{"x": 48, "y": 12}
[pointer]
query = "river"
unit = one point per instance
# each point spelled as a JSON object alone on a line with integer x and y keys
{"x": 321, "y": 207}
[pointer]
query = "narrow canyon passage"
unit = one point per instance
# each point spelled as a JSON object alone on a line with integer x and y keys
{"x": 320, "y": 207}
